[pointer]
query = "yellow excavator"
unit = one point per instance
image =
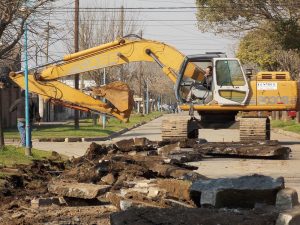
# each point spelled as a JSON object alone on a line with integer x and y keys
{"x": 232, "y": 90}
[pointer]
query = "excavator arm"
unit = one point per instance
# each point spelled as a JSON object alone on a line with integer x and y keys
{"x": 45, "y": 82}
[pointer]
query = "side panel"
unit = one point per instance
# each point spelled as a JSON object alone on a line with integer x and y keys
{"x": 264, "y": 95}
{"x": 273, "y": 93}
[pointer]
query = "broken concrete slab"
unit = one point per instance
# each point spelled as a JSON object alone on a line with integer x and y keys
{"x": 77, "y": 190}
{"x": 42, "y": 202}
{"x": 170, "y": 171}
{"x": 184, "y": 157}
{"x": 109, "y": 179}
{"x": 188, "y": 216}
{"x": 114, "y": 198}
{"x": 17, "y": 215}
{"x": 289, "y": 217}
{"x": 125, "y": 204}
{"x": 168, "y": 149}
{"x": 95, "y": 151}
{"x": 287, "y": 198}
{"x": 79, "y": 202}
{"x": 153, "y": 192}
{"x": 174, "y": 203}
{"x": 176, "y": 189}
{"x": 147, "y": 188}
{"x": 241, "y": 192}
{"x": 141, "y": 141}
{"x": 270, "y": 150}
{"x": 125, "y": 145}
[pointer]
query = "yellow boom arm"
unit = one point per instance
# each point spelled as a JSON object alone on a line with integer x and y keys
{"x": 46, "y": 84}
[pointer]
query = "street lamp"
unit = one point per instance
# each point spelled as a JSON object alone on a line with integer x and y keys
{"x": 27, "y": 119}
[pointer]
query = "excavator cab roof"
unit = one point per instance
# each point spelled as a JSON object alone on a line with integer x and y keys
{"x": 206, "y": 57}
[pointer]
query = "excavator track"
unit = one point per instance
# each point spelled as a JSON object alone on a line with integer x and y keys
{"x": 254, "y": 129}
{"x": 179, "y": 128}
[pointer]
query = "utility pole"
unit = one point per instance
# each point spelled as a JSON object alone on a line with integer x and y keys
{"x": 147, "y": 96}
{"x": 48, "y": 106}
{"x": 140, "y": 78}
{"x": 41, "y": 101}
{"x": 122, "y": 22}
{"x": 76, "y": 48}
{"x": 1, "y": 129}
{"x": 121, "y": 34}
{"x": 104, "y": 116}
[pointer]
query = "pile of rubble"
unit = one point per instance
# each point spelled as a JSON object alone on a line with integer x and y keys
{"x": 138, "y": 181}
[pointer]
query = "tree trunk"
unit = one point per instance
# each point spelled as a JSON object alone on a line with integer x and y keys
{"x": 1, "y": 130}
{"x": 298, "y": 117}
{"x": 273, "y": 115}
{"x": 277, "y": 115}
{"x": 284, "y": 116}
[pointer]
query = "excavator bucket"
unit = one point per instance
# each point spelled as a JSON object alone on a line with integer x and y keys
{"x": 118, "y": 94}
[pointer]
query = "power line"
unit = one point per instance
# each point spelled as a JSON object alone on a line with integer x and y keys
{"x": 173, "y": 7}
{"x": 135, "y": 20}
{"x": 152, "y": 11}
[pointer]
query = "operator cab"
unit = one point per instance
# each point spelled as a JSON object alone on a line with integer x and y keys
{"x": 228, "y": 86}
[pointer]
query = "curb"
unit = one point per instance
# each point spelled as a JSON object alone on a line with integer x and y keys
{"x": 286, "y": 133}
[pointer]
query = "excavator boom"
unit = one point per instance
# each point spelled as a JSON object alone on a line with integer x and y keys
{"x": 120, "y": 98}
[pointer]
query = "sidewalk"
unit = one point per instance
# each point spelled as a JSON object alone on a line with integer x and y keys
{"x": 151, "y": 130}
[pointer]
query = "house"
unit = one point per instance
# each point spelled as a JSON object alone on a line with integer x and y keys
{"x": 9, "y": 92}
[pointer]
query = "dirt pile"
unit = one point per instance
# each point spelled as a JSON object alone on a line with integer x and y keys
{"x": 107, "y": 178}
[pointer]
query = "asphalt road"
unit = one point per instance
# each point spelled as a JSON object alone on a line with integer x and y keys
{"x": 210, "y": 167}
{"x": 225, "y": 167}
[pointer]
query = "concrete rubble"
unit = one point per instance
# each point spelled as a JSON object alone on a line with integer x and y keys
{"x": 183, "y": 215}
{"x": 287, "y": 199}
{"x": 289, "y": 217}
{"x": 241, "y": 192}
{"x": 263, "y": 149}
{"x": 127, "y": 181}
{"x": 77, "y": 190}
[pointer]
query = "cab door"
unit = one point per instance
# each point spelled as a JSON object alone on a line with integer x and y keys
{"x": 229, "y": 82}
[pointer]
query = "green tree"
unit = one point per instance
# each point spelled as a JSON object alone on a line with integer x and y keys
{"x": 258, "y": 47}
{"x": 238, "y": 16}
{"x": 265, "y": 51}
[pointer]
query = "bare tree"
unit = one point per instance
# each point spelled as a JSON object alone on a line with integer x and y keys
{"x": 101, "y": 27}
{"x": 97, "y": 28}
{"x": 289, "y": 61}
{"x": 14, "y": 14}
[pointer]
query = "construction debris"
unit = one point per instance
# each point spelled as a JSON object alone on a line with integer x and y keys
{"x": 289, "y": 217}
{"x": 144, "y": 179}
{"x": 241, "y": 192}
{"x": 188, "y": 216}
{"x": 77, "y": 190}
{"x": 264, "y": 149}
{"x": 287, "y": 198}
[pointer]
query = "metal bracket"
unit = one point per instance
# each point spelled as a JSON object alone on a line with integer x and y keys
{"x": 191, "y": 111}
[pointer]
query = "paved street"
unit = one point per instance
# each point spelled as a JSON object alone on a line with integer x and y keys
{"x": 212, "y": 168}
{"x": 223, "y": 167}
